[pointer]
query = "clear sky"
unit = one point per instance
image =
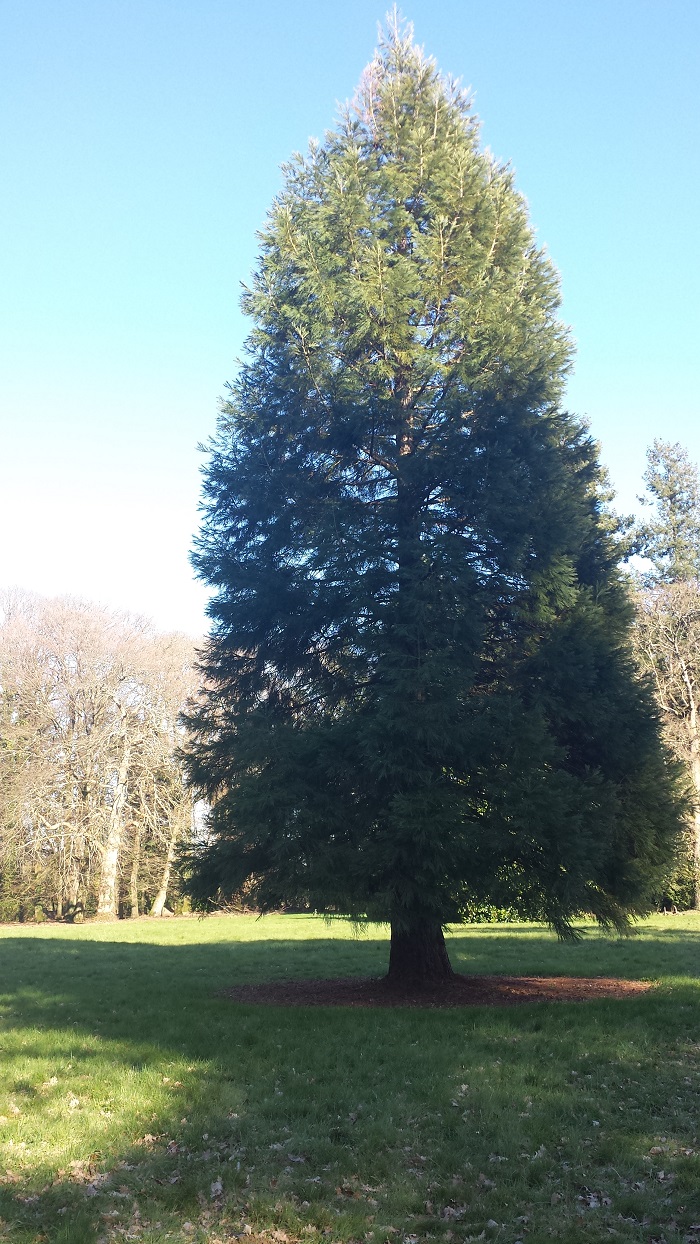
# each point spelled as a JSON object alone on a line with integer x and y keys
{"x": 141, "y": 148}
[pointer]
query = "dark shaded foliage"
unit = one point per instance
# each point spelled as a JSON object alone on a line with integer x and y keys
{"x": 420, "y": 693}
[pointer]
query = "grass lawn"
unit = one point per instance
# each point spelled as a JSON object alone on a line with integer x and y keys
{"x": 136, "y": 1104}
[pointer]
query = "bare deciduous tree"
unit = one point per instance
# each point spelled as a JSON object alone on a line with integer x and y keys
{"x": 668, "y": 642}
{"x": 92, "y": 800}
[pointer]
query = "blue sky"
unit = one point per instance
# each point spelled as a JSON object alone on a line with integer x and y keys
{"x": 142, "y": 141}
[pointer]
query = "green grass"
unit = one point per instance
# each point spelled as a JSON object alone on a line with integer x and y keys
{"x": 137, "y": 1104}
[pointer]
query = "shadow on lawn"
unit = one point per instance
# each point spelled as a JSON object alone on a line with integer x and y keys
{"x": 223, "y": 1091}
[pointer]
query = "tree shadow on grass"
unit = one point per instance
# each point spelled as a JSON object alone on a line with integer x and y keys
{"x": 160, "y": 1102}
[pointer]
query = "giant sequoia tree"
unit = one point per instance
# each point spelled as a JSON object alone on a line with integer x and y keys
{"x": 419, "y": 693}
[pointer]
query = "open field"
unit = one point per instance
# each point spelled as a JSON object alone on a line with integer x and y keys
{"x": 136, "y": 1104}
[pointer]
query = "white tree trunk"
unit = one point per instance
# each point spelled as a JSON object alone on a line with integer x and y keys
{"x": 108, "y": 900}
{"x": 159, "y": 901}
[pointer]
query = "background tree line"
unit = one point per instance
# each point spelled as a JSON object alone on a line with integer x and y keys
{"x": 92, "y": 799}
{"x": 667, "y": 631}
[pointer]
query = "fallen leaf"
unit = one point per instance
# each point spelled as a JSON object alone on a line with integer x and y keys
{"x": 593, "y": 1200}
{"x": 452, "y": 1212}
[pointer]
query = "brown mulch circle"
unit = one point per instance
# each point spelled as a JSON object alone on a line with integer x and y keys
{"x": 461, "y": 991}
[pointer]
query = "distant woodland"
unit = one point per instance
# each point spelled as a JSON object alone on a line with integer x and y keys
{"x": 92, "y": 799}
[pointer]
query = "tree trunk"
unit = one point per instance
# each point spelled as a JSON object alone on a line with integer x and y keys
{"x": 418, "y": 955}
{"x": 694, "y": 733}
{"x": 134, "y": 878}
{"x": 695, "y": 770}
{"x": 73, "y": 906}
{"x": 159, "y": 901}
{"x": 108, "y": 900}
{"x": 60, "y": 875}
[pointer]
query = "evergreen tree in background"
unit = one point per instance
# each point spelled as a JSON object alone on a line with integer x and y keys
{"x": 419, "y": 689}
{"x": 670, "y": 540}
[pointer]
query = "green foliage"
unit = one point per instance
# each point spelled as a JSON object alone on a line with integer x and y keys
{"x": 679, "y": 887}
{"x": 486, "y": 913}
{"x": 420, "y": 693}
{"x": 671, "y": 538}
{"x": 10, "y": 909}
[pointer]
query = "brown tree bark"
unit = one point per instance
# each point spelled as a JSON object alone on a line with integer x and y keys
{"x": 418, "y": 955}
